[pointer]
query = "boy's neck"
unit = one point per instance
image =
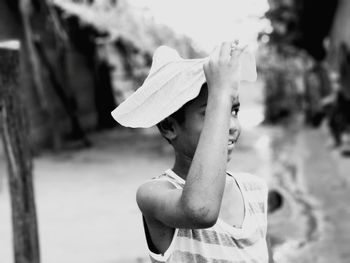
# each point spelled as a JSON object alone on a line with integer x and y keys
{"x": 181, "y": 166}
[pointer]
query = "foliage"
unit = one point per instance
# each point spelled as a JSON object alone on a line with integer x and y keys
{"x": 283, "y": 69}
{"x": 301, "y": 23}
{"x": 281, "y": 62}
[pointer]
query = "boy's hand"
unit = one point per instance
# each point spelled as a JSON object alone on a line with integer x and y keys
{"x": 222, "y": 69}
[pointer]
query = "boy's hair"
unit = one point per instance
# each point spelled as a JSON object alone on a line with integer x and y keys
{"x": 178, "y": 115}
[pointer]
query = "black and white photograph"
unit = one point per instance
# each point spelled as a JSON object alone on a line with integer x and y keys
{"x": 162, "y": 131}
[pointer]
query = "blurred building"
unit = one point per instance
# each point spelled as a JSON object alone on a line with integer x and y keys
{"x": 80, "y": 60}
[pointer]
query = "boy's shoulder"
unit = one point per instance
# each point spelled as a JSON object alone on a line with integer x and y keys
{"x": 152, "y": 191}
{"x": 164, "y": 180}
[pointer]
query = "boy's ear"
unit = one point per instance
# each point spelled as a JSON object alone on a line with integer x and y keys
{"x": 167, "y": 128}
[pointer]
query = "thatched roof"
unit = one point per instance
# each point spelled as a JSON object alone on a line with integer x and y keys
{"x": 135, "y": 25}
{"x": 118, "y": 21}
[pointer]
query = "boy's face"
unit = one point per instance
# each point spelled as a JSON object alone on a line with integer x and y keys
{"x": 189, "y": 131}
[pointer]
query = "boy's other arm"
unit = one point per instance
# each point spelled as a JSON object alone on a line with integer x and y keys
{"x": 198, "y": 204}
{"x": 160, "y": 201}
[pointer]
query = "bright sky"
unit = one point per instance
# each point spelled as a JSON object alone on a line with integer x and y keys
{"x": 210, "y": 22}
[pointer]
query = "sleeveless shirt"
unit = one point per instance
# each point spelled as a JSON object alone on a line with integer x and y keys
{"x": 223, "y": 243}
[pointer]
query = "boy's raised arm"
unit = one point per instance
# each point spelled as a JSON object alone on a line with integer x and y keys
{"x": 198, "y": 204}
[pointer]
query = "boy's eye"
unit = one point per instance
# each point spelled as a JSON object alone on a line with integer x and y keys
{"x": 235, "y": 112}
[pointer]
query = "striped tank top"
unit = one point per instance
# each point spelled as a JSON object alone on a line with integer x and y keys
{"x": 223, "y": 243}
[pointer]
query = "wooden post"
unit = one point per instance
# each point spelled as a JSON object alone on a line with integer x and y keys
{"x": 14, "y": 131}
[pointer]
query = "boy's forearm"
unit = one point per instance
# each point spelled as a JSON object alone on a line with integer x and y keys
{"x": 205, "y": 181}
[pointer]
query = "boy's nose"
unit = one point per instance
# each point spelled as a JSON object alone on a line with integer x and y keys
{"x": 234, "y": 126}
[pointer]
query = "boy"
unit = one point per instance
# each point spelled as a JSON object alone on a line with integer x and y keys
{"x": 196, "y": 211}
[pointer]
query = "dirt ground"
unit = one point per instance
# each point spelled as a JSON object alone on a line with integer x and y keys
{"x": 326, "y": 187}
{"x": 86, "y": 198}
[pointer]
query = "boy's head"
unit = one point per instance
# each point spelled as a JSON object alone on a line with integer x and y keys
{"x": 182, "y": 129}
{"x": 161, "y": 94}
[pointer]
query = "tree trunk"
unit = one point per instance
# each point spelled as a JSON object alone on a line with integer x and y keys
{"x": 14, "y": 134}
{"x": 26, "y": 13}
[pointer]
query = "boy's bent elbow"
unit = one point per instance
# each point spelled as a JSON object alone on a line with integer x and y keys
{"x": 202, "y": 216}
{"x": 206, "y": 222}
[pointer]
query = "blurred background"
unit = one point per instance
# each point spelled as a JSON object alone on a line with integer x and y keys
{"x": 69, "y": 172}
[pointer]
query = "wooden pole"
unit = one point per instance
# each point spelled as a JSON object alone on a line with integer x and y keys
{"x": 14, "y": 131}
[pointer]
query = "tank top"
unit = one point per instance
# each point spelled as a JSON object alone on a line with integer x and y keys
{"x": 223, "y": 243}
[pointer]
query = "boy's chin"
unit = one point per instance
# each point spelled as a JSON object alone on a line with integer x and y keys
{"x": 229, "y": 156}
{"x": 230, "y": 152}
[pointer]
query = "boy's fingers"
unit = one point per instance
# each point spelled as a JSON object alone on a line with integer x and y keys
{"x": 243, "y": 48}
{"x": 237, "y": 52}
{"x": 234, "y": 46}
{"x": 225, "y": 51}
